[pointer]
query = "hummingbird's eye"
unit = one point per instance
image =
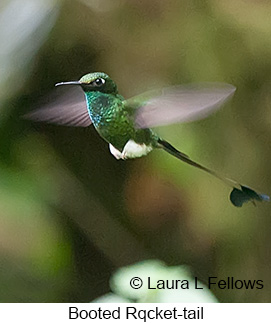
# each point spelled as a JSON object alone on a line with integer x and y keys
{"x": 98, "y": 82}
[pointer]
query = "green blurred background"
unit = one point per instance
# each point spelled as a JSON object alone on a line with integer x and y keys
{"x": 71, "y": 214}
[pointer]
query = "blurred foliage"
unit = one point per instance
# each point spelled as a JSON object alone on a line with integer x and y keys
{"x": 70, "y": 214}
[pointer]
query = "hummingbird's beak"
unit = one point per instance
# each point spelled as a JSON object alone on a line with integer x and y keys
{"x": 68, "y": 83}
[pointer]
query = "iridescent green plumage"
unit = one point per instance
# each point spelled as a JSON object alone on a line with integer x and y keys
{"x": 114, "y": 121}
{"x": 112, "y": 118}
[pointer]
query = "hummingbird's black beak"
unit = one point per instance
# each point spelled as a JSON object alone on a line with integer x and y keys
{"x": 68, "y": 83}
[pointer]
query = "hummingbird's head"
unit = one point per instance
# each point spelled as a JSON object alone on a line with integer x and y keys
{"x": 97, "y": 81}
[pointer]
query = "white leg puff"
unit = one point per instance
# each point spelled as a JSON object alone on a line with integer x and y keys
{"x": 115, "y": 152}
{"x": 130, "y": 150}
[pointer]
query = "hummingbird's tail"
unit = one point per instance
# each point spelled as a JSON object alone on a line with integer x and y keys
{"x": 239, "y": 194}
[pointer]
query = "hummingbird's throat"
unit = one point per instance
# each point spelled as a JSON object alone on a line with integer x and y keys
{"x": 130, "y": 150}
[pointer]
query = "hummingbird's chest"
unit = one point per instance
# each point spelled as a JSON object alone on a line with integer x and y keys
{"x": 110, "y": 118}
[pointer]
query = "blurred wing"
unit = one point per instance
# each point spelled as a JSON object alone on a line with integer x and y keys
{"x": 179, "y": 104}
{"x": 68, "y": 109}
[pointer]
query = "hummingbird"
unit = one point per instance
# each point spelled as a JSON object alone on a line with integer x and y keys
{"x": 126, "y": 125}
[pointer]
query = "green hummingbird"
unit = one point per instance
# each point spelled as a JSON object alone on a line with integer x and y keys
{"x": 126, "y": 124}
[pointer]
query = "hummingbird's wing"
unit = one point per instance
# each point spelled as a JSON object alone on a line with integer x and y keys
{"x": 68, "y": 109}
{"x": 179, "y": 103}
